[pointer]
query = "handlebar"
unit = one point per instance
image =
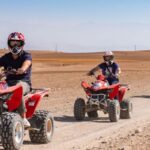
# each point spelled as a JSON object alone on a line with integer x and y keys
{"x": 7, "y": 72}
{"x": 91, "y": 73}
{"x": 12, "y": 71}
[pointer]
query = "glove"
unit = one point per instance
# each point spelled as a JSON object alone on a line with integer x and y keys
{"x": 90, "y": 73}
{"x": 115, "y": 76}
{"x": 20, "y": 71}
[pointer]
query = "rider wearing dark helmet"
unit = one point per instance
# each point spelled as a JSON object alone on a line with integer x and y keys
{"x": 20, "y": 60}
{"x": 109, "y": 68}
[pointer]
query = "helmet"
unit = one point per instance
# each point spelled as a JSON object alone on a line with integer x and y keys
{"x": 108, "y": 56}
{"x": 16, "y": 42}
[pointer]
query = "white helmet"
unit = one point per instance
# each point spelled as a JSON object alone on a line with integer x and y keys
{"x": 108, "y": 56}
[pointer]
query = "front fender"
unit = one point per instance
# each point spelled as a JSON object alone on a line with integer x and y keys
{"x": 15, "y": 100}
{"x": 122, "y": 92}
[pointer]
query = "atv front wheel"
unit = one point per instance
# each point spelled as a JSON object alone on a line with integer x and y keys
{"x": 114, "y": 110}
{"x": 45, "y": 133}
{"x": 79, "y": 109}
{"x": 126, "y": 109}
{"x": 92, "y": 114}
{"x": 12, "y": 131}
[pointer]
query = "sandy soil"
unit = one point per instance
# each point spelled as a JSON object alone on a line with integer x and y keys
{"x": 63, "y": 73}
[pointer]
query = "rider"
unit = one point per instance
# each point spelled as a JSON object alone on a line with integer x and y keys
{"x": 20, "y": 60}
{"x": 109, "y": 68}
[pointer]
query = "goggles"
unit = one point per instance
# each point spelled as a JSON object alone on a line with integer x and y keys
{"x": 15, "y": 43}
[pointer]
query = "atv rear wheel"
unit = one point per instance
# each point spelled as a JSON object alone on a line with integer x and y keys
{"x": 44, "y": 135}
{"x": 114, "y": 110}
{"x": 92, "y": 114}
{"x": 79, "y": 109}
{"x": 126, "y": 109}
{"x": 12, "y": 131}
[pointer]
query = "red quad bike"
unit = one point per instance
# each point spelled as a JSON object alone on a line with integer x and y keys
{"x": 11, "y": 124}
{"x": 102, "y": 96}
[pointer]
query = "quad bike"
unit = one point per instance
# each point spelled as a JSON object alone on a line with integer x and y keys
{"x": 11, "y": 123}
{"x": 102, "y": 96}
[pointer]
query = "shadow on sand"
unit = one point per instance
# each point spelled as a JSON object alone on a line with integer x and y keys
{"x": 141, "y": 96}
{"x": 25, "y": 142}
{"x": 72, "y": 119}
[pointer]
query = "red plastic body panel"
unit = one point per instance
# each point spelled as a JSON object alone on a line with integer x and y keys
{"x": 31, "y": 104}
{"x": 32, "y": 101}
{"x": 122, "y": 92}
{"x": 16, "y": 97}
{"x": 117, "y": 90}
{"x": 85, "y": 85}
{"x": 15, "y": 100}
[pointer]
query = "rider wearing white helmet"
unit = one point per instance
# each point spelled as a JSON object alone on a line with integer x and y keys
{"x": 109, "y": 68}
{"x": 108, "y": 57}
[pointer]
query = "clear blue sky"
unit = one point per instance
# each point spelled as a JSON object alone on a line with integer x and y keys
{"x": 77, "y": 25}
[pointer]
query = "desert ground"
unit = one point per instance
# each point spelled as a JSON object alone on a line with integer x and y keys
{"x": 63, "y": 73}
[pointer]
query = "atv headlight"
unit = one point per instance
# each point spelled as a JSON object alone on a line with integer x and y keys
{"x": 97, "y": 85}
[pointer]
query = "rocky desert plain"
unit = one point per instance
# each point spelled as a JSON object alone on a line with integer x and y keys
{"x": 62, "y": 73}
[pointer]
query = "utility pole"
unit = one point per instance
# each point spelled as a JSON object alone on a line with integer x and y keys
{"x": 56, "y": 48}
{"x": 134, "y": 47}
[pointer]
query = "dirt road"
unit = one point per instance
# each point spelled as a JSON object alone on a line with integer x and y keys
{"x": 64, "y": 77}
{"x": 89, "y": 134}
{"x": 65, "y": 80}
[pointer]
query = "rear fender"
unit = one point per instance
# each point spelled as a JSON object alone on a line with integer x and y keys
{"x": 33, "y": 100}
{"x": 31, "y": 104}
